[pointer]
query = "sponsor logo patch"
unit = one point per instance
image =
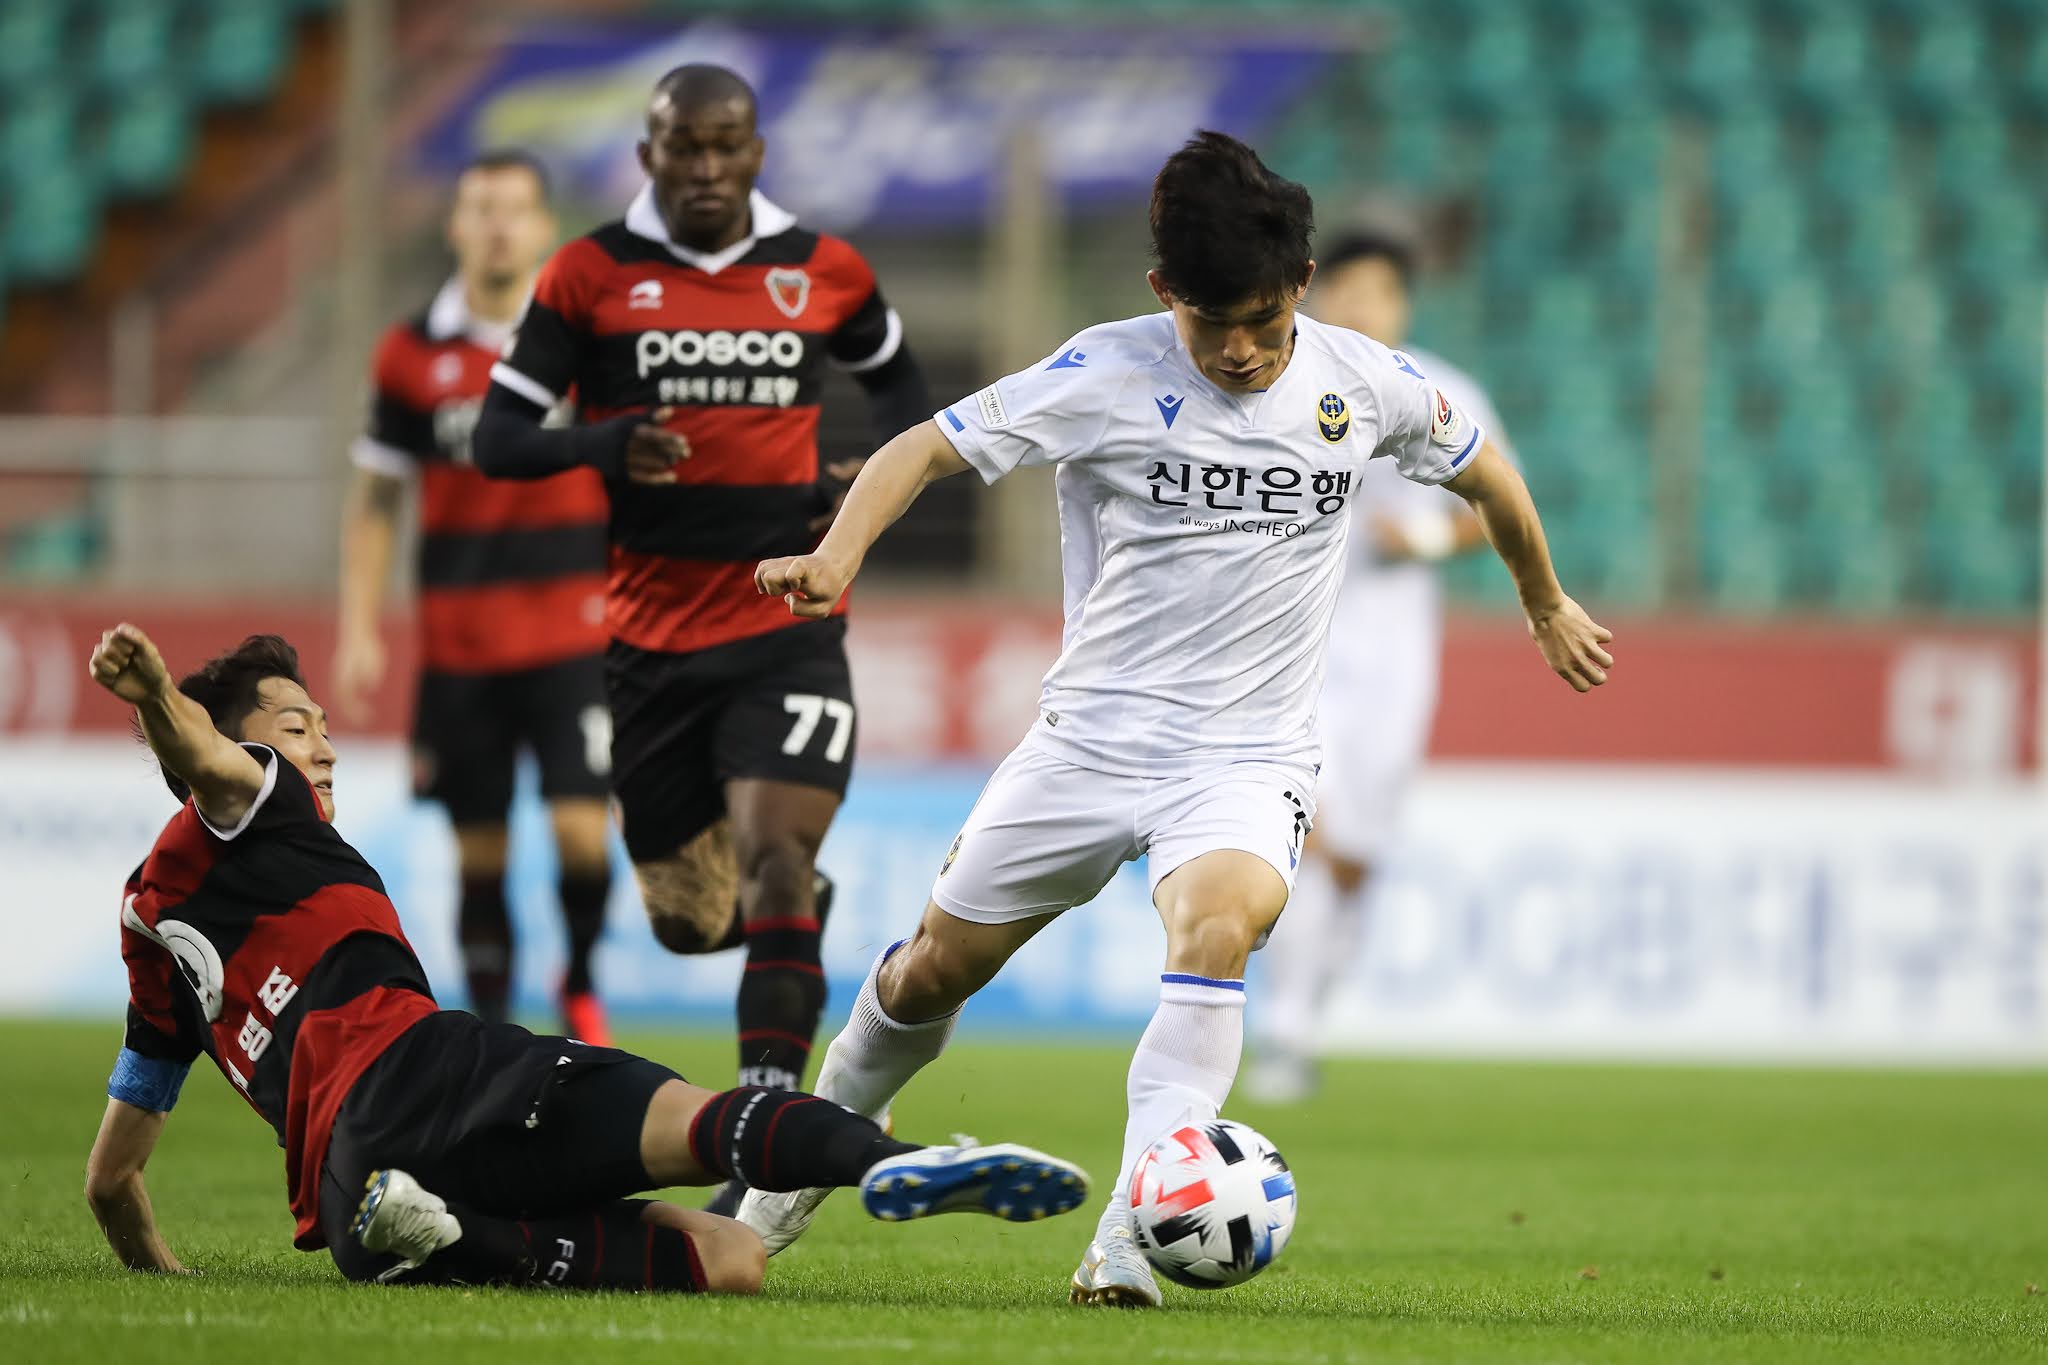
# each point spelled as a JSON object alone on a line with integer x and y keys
{"x": 990, "y": 405}
{"x": 952, "y": 853}
{"x": 646, "y": 294}
{"x": 1169, "y": 408}
{"x": 1069, "y": 359}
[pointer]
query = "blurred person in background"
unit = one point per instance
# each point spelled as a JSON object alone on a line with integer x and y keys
{"x": 1380, "y": 684}
{"x": 694, "y": 333}
{"x": 511, "y": 594}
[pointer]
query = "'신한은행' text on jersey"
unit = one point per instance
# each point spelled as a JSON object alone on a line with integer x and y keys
{"x": 736, "y": 342}
{"x": 1202, "y": 532}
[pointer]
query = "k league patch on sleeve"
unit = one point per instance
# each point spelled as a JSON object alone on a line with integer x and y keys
{"x": 1446, "y": 423}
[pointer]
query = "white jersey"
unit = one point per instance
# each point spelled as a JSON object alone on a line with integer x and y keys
{"x": 1203, "y": 532}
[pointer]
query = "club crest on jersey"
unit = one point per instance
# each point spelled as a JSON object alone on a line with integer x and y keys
{"x": 790, "y": 289}
{"x": 1444, "y": 425}
{"x": 1333, "y": 417}
{"x": 447, "y": 370}
{"x": 646, "y": 294}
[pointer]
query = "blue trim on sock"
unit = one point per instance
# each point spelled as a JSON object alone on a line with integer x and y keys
{"x": 1188, "y": 979}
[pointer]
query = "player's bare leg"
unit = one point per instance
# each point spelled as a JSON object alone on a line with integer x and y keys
{"x": 1314, "y": 944}
{"x": 583, "y": 851}
{"x": 483, "y": 922}
{"x": 1215, "y": 909}
{"x": 900, "y": 1021}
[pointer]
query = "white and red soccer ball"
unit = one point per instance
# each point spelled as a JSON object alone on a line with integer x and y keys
{"x": 1211, "y": 1204}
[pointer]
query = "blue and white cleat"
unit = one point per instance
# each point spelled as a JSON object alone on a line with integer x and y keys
{"x": 1004, "y": 1181}
{"x": 399, "y": 1217}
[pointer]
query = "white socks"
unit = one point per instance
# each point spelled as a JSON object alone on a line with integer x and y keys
{"x": 1184, "y": 1065}
{"x": 874, "y": 1056}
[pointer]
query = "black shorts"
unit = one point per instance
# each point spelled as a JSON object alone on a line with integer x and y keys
{"x": 468, "y": 729}
{"x": 492, "y": 1118}
{"x": 776, "y": 706}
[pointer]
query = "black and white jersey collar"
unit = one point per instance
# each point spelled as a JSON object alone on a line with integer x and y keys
{"x": 643, "y": 219}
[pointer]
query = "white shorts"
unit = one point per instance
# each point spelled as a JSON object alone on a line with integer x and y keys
{"x": 1379, "y": 701}
{"x": 1048, "y": 835}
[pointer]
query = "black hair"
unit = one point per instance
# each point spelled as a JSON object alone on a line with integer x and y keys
{"x": 515, "y": 159}
{"x": 230, "y": 686}
{"x": 1225, "y": 228}
{"x": 696, "y": 84}
{"x": 1367, "y": 245}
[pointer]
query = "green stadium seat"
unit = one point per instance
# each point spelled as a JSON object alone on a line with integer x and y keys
{"x": 146, "y": 140}
{"x": 1971, "y": 152}
{"x": 239, "y": 52}
{"x": 128, "y": 41}
{"x": 31, "y": 41}
{"x": 50, "y": 234}
{"x": 1721, "y": 63}
{"x": 1857, "y": 154}
{"x": 38, "y": 129}
{"x": 1497, "y": 67}
{"x": 1743, "y": 565}
{"x": 1948, "y": 65}
{"x": 1608, "y": 65}
{"x": 1835, "y": 63}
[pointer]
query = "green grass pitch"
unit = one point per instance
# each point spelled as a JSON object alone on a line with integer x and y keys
{"x": 1450, "y": 1212}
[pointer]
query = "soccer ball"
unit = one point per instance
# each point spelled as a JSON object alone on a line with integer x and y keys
{"x": 1211, "y": 1204}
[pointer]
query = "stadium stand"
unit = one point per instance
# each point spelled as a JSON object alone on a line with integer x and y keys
{"x": 1864, "y": 237}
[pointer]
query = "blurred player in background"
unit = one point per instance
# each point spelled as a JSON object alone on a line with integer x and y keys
{"x": 1205, "y": 456}
{"x": 1379, "y": 685}
{"x": 511, "y": 593}
{"x": 424, "y": 1145}
{"x": 694, "y": 333}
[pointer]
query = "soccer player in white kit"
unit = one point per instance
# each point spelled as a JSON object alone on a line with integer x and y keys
{"x": 1206, "y": 458}
{"x": 1385, "y": 643}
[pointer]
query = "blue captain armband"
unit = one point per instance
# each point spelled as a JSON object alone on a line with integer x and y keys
{"x": 146, "y": 1082}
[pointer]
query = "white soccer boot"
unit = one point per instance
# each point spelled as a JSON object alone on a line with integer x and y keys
{"x": 401, "y": 1218}
{"x": 779, "y": 1218}
{"x": 1114, "y": 1273}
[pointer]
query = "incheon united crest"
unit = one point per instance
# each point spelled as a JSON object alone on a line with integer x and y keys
{"x": 1333, "y": 417}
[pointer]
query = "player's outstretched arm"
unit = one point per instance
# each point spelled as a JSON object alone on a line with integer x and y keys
{"x": 224, "y": 778}
{"x": 1570, "y": 640}
{"x": 114, "y": 1188}
{"x": 890, "y": 481}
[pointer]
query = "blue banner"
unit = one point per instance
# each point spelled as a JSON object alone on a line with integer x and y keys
{"x": 874, "y": 125}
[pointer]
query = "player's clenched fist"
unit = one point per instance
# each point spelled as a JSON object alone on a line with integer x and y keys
{"x": 811, "y": 584}
{"x": 128, "y": 665}
{"x": 653, "y": 451}
{"x": 1571, "y": 643}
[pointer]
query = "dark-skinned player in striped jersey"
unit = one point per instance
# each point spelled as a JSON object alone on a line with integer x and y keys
{"x": 425, "y": 1145}
{"x": 694, "y": 333}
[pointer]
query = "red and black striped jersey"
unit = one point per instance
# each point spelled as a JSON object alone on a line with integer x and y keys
{"x": 272, "y": 948}
{"x": 736, "y": 341}
{"x": 511, "y": 575}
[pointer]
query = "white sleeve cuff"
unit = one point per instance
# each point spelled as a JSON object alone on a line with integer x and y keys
{"x": 378, "y": 458}
{"x": 262, "y": 795}
{"x": 892, "y": 342}
{"x": 966, "y": 446}
{"x": 529, "y": 389}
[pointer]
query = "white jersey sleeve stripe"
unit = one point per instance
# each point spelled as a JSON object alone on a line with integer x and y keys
{"x": 892, "y": 342}
{"x": 529, "y": 389}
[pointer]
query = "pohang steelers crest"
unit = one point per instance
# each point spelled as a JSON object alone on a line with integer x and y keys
{"x": 1333, "y": 417}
